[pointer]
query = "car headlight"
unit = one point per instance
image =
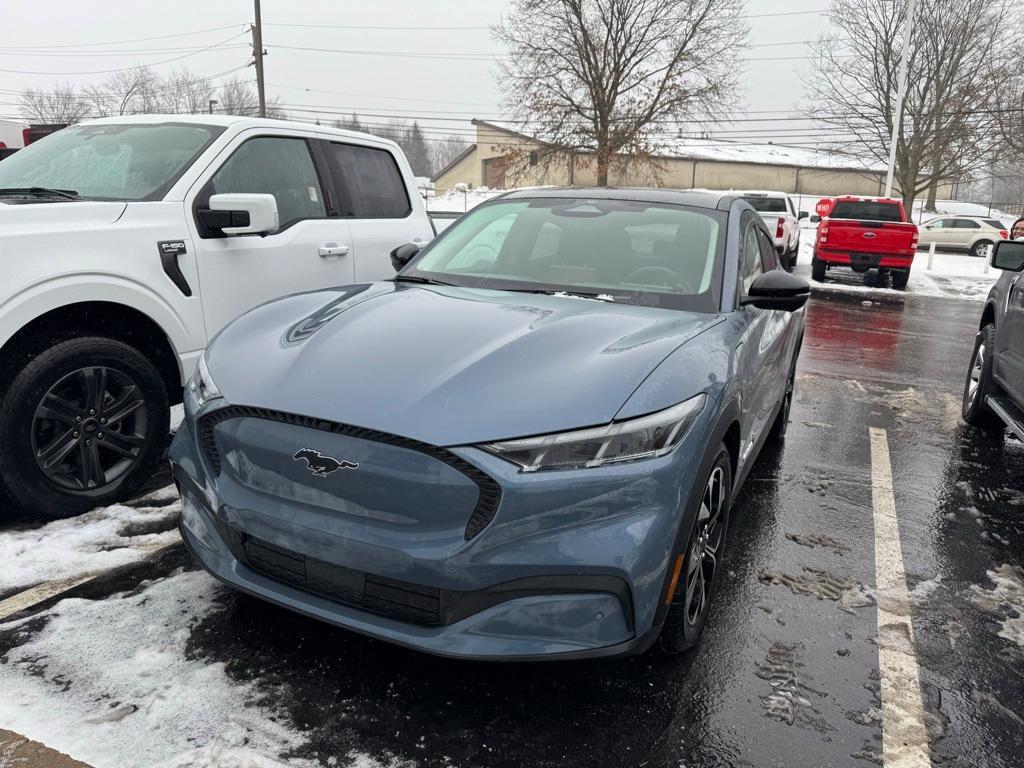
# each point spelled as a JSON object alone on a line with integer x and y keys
{"x": 202, "y": 386}
{"x": 647, "y": 436}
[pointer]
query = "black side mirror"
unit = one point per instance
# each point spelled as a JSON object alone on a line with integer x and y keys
{"x": 777, "y": 290}
{"x": 403, "y": 254}
{"x": 1008, "y": 255}
{"x": 803, "y": 215}
{"x": 218, "y": 220}
{"x": 814, "y": 219}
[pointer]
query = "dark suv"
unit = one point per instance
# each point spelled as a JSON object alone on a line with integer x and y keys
{"x": 994, "y": 392}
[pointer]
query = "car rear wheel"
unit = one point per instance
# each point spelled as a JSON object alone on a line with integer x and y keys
{"x": 696, "y": 576}
{"x": 979, "y": 384}
{"x": 817, "y": 269}
{"x": 83, "y": 424}
{"x": 981, "y": 248}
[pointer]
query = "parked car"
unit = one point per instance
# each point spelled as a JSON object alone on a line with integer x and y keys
{"x": 524, "y": 445}
{"x": 783, "y": 221}
{"x": 974, "y": 234}
{"x": 994, "y": 391}
{"x": 866, "y": 233}
{"x": 129, "y": 242}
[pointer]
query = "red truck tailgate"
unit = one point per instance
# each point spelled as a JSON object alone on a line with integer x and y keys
{"x": 867, "y": 236}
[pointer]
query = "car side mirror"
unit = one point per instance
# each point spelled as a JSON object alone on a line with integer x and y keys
{"x": 814, "y": 218}
{"x": 241, "y": 214}
{"x": 1008, "y": 255}
{"x": 803, "y": 215}
{"x": 402, "y": 255}
{"x": 777, "y": 290}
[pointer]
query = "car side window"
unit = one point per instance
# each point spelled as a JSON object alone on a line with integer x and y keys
{"x": 769, "y": 256}
{"x": 939, "y": 224}
{"x": 751, "y": 265}
{"x": 966, "y": 224}
{"x": 369, "y": 183}
{"x": 278, "y": 166}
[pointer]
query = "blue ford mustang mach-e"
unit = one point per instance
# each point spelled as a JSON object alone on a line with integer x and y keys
{"x": 524, "y": 446}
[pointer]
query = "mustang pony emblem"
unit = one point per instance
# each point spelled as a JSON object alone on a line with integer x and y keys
{"x": 320, "y": 465}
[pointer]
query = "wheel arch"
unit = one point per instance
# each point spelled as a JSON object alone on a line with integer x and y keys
{"x": 112, "y": 319}
{"x": 988, "y": 317}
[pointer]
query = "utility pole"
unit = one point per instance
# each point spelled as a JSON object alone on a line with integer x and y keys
{"x": 901, "y": 93}
{"x": 257, "y": 49}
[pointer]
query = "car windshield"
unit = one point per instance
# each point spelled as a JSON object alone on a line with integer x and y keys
{"x": 108, "y": 161}
{"x": 767, "y": 204}
{"x": 639, "y": 252}
{"x": 868, "y": 210}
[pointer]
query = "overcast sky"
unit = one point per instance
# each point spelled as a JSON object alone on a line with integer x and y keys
{"x": 443, "y": 92}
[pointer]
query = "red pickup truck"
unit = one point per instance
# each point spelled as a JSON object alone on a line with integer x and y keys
{"x": 865, "y": 233}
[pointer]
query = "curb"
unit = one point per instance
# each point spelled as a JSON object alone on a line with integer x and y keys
{"x": 16, "y": 749}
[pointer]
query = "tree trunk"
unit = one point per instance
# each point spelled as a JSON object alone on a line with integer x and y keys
{"x": 934, "y": 186}
{"x": 602, "y": 168}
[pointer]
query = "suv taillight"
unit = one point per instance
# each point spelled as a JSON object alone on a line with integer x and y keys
{"x": 26, "y": 136}
{"x": 1004, "y": 235}
{"x": 780, "y": 228}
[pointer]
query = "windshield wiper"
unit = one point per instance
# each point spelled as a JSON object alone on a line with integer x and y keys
{"x": 67, "y": 194}
{"x": 418, "y": 279}
{"x": 566, "y": 294}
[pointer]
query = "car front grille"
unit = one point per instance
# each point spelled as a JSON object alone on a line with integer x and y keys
{"x": 489, "y": 491}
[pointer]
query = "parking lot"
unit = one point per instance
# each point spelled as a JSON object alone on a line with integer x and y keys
{"x": 129, "y": 655}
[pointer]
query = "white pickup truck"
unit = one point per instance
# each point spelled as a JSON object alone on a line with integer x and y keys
{"x": 783, "y": 220}
{"x": 126, "y": 243}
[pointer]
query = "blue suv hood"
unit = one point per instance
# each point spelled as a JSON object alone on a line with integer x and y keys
{"x": 444, "y": 365}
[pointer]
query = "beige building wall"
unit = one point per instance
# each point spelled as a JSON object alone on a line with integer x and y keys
{"x": 503, "y": 154}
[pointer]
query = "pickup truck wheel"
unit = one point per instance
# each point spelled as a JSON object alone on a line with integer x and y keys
{"x": 980, "y": 385}
{"x": 900, "y": 278}
{"x": 702, "y": 564}
{"x": 981, "y": 248}
{"x": 817, "y": 270}
{"x": 83, "y": 424}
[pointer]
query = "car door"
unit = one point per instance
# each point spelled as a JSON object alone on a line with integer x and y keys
{"x": 963, "y": 232}
{"x": 1009, "y": 361}
{"x": 376, "y": 202}
{"x": 934, "y": 231}
{"x": 311, "y": 249}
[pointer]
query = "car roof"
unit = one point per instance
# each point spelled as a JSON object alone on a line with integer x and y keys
{"x": 693, "y": 198}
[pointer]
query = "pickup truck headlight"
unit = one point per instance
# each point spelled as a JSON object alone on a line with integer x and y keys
{"x": 202, "y": 386}
{"x": 645, "y": 437}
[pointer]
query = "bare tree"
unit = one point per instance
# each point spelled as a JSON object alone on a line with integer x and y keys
{"x": 959, "y": 60}
{"x": 183, "y": 92}
{"x": 129, "y": 92}
{"x": 444, "y": 150}
{"x": 61, "y": 105}
{"x": 613, "y": 76}
{"x": 238, "y": 97}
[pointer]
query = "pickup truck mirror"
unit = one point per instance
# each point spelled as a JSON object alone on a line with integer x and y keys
{"x": 241, "y": 214}
{"x": 403, "y": 254}
{"x": 802, "y": 215}
{"x": 1008, "y": 255}
{"x": 777, "y": 290}
{"x": 814, "y": 219}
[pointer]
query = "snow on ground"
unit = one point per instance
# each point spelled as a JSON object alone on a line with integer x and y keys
{"x": 105, "y": 538}
{"x": 109, "y": 682}
{"x": 954, "y": 275}
{"x": 459, "y": 200}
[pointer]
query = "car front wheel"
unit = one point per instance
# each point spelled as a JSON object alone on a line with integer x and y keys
{"x": 979, "y": 384}
{"x": 702, "y": 561}
{"x": 83, "y": 424}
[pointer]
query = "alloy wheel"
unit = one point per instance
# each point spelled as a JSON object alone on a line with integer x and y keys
{"x": 977, "y": 367}
{"x": 706, "y": 548}
{"x": 89, "y": 428}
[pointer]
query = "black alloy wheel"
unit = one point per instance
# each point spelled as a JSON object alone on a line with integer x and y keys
{"x": 89, "y": 428}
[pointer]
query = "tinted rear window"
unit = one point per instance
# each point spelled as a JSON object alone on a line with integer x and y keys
{"x": 767, "y": 204}
{"x": 370, "y": 186}
{"x": 995, "y": 223}
{"x": 869, "y": 210}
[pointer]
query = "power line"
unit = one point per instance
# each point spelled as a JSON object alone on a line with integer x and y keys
{"x": 149, "y": 52}
{"x": 134, "y": 40}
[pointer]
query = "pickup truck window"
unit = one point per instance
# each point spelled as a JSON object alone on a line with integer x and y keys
{"x": 277, "y": 166}
{"x": 110, "y": 161}
{"x": 868, "y": 210}
{"x": 767, "y": 204}
{"x": 370, "y": 186}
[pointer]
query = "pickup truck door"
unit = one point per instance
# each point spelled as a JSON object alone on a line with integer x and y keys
{"x": 1009, "y": 361}
{"x": 311, "y": 249}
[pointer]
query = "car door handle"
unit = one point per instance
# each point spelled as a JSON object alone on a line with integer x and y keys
{"x": 333, "y": 250}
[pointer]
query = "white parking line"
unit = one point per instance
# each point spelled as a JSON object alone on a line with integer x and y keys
{"x": 904, "y": 738}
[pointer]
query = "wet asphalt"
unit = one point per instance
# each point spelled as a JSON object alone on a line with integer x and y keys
{"x": 787, "y": 671}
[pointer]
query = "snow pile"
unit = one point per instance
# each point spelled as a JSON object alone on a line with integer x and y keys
{"x": 460, "y": 199}
{"x": 108, "y": 682}
{"x": 105, "y": 538}
{"x": 1005, "y": 600}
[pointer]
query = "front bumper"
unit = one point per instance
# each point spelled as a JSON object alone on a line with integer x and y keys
{"x": 572, "y": 564}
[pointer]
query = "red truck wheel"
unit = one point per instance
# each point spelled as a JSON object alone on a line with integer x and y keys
{"x": 900, "y": 278}
{"x": 818, "y": 269}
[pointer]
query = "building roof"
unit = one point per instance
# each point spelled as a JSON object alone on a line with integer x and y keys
{"x": 718, "y": 150}
{"x": 455, "y": 161}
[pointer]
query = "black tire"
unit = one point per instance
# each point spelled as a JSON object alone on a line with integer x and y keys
{"x": 777, "y": 433}
{"x": 978, "y": 250}
{"x": 794, "y": 254}
{"x": 685, "y": 621}
{"x": 817, "y": 269}
{"x": 786, "y": 260}
{"x": 980, "y": 385}
{"x": 104, "y": 424}
{"x": 900, "y": 278}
